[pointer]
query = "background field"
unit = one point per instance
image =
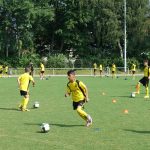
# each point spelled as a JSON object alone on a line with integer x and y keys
{"x": 111, "y": 130}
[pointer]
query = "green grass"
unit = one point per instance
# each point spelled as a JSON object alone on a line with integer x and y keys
{"x": 111, "y": 130}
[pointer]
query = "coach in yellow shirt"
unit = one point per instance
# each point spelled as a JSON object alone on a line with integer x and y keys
{"x": 23, "y": 83}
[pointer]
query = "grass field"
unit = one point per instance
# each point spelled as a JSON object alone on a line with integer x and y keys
{"x": 111, "y": 130}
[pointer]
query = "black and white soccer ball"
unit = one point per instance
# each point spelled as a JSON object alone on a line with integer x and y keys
{"x": 45, "y": 127}
{"x": 36, "y": 105}
{"x": 133, "y": 95}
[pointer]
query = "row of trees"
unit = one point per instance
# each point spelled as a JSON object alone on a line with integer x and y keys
{"x": 93, "y": 28}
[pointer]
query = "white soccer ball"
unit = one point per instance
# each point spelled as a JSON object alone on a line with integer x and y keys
{"x": 36, "y": 105}
{"x": 133, "y": 94}
{"x": 45, "y": 127}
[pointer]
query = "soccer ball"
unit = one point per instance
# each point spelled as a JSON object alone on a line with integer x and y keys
{"x": 133, "y": 94}
{"x": 45, "y": 127}
{"x": 36, "y": 105}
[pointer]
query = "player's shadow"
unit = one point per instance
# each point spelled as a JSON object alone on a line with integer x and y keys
{"x": 137, "y": 131}
{"x": 65, "y": 125}
{"x": 55, "y": 124}
{"x": 14, "y": 109}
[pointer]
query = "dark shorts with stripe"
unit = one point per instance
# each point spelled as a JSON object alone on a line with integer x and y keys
{"x": 144, "y": 81}
{"x": 1, "y": 71}
{"x": 76, "y": 104}
{"x": 23, "y": 93}
{"x": 42, "y": 71}
{"x": 113, "y": 72}
{"x": 133, "y": 72}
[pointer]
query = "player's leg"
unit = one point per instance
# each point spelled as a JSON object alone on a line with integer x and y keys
{"x": 147, "y": 89}
{"x": 84, "y": 116}
{"x": 25, "y": 103}
{"x": 138, "y": 85}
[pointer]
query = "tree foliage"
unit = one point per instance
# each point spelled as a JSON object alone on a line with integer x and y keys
{"x": 90, "y": 27}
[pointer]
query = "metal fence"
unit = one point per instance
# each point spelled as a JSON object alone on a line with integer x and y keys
{"x": 63, "y": 71}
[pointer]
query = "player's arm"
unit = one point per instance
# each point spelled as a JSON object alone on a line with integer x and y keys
{"x": 32, "y": 80}
{"x": 18, "y": 82}
{"x": 149, "y": 74}
{"x": 83, "y": 86}
{"x": 68, "y": 92}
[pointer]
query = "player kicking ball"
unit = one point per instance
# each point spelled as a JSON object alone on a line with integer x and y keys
{"x": 79, "y": 94}
{"x": 23, "y": 83}
{"x": 144, "y": 80}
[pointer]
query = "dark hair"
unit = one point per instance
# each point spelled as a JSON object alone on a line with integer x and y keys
{"x": 27, "y": 69}
{"x": 71, "y": 72}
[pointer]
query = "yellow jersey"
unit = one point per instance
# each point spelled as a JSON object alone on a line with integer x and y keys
{"x": 24, "y": 81}
{"x": 146, "y": 71}
{"x": 1, "y": 67}
{"x": 42, "y": 67}
{"x": 100, "y": 67}
{"x": 74, "y": 88}
{"x": 113, "y": 67}
{"x": 95, "y": 66}
{"x": 6, "y": 69}
{"x": 133, "y": 67}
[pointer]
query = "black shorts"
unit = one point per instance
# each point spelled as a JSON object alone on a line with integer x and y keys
{"x": 100, "y": 71}
{"x": 95, "y": 70}
{"x": 133, "y": 72}
{"x": 23, "y": 93}
{"x": 1, "y": 71}
{"x": 144, "y": 81}
{"x": 76, "y": 104}
{"x": 42, "y": 71}
{"x": 113, "y": 72}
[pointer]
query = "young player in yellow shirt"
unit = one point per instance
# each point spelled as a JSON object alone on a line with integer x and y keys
{"x": 113, "y": 69}
{"x": 42, "y": 71}
{"x": 133, "y": 69}
{"x": 1, "y": 70}
{"x": 100, "y": 69}
{"x": 144, "y": 80}
{"x": 95, "y": 68}
{"x": 79, "y": 94}
{"x": 23, "y": 83}
{"x": 6, "y": 70}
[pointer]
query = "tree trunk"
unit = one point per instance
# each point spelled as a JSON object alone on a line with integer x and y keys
{"x": 121, "y": 49}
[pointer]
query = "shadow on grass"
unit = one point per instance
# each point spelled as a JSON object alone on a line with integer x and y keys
{"x": 137, "y": 131}
{"x": 15, "y": 109}
{"x": 55, "y": 124}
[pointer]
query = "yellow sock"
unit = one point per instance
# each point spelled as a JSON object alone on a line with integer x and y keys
{"x": 82, "y": 113}
{"x": 25, "y": 103}
{"x": 147, "y": 91}
{"x": 22, "y": 102}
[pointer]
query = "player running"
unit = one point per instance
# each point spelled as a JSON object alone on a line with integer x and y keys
{"x": 144, "y": 80}
{"x": 79, "y": 94}
{"x": 42, "y": 68}
{"x": 113, "y": 69}
{"x": 23, "y": 83}
{"x": 95, "y": 68}
{"x": 133, "y": 69}
{"x": 100, "y": 69}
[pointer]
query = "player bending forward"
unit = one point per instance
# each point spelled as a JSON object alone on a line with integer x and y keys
{"x": 79, "y": 94}
{"x": 23, "y": 83}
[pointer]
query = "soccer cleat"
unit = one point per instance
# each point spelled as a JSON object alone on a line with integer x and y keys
{"x": 146, "y": 97}
{"x": 137, "y": 92}
{"x": 20, "y": 107}
{"x": 25, "y": 110}
{"x": 89, "y": 121}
